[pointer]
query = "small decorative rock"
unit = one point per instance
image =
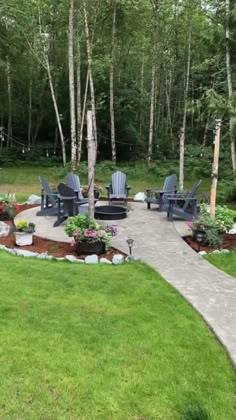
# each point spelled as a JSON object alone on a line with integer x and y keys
{"x": 91, "y": 259}
{"x": 78, "y": 260}
{"x": 34, "y": 199}
{"x": 216, "y": 251}
{"x": 43, "y": 255}
{"x": 25, "y": 253}
{"x": 4, "y": 229}
{"x": 202, "y": 253}
{"x": 225, "y": 251}
{"x": 105, "y": 261}
{"x": 70, "y": 258}
{"x": 118, "y": 259}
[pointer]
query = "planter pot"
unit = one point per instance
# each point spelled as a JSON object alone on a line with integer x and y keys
{"x": 88, "y": 248}
{"x": 200, "y": 236}
{"x": 23, "y": 238}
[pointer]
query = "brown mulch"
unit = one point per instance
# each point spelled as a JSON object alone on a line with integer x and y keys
{"x": 229, "y": 242}
{"x": 54, "y": 248}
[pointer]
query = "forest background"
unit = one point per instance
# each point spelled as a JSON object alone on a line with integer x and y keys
{"x": 155, "y": 73}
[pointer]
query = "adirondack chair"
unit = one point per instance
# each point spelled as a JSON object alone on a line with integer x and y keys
{"x": 68, "y": 204}
{"x": 118, "y": 189}
{"x": 49, "y": 203}
{"x": 73, "y": 181}
{"x": 183, "y": 205}
{"x": 160, "y": 197}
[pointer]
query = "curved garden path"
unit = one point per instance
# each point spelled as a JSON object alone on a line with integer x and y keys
{"x": 158, "y": 243}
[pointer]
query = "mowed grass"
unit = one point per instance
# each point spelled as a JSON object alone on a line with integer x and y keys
{"x": 225, "y": 262}
{"x": 85, "y": 342}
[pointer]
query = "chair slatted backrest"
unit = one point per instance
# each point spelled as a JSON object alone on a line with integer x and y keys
{"x": 47, "y": 190}
{"x": 192, "y": 193}
{"x": 118, "y": 183}
{"x": 73, "y": 181}
{"x": 170, "y": 183}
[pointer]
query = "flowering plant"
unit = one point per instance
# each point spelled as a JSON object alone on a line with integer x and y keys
{"x": 84, "y": 230}
{"x": 8, "y": 206}
{"x": 24, "y": 226}
{"x": 213, "y": 226}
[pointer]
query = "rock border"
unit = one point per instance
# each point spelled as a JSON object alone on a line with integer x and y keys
{"x": 90, "y": 259}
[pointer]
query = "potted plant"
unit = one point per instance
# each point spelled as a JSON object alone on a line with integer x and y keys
{"x": 209, "y": 230}
{"x": 8, "y": 206}
{"x": 89, "y": 237}
{"x": 23, "y": 231}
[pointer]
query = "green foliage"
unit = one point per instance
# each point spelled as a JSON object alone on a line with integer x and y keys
{"x": 84, "y": 229}
{"x": 8, "y": 205}
{"x": 213, "y": 227}
{"x": 24, "y": 226}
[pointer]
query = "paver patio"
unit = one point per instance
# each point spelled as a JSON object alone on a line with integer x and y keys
{"x": 157, "y": 242}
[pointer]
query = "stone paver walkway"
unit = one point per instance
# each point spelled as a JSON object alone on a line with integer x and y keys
{"x": 156, "y": 241}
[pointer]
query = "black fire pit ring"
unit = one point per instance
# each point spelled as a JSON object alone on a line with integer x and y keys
{"x": 110, "y": 212}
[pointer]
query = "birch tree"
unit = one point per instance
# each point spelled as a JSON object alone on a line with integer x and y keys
{"x": 72, "y": 85}
{"x": 113, "y": 141}
{"x": 230, "y": 87}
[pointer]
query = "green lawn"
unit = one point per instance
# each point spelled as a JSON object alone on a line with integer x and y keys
{"x": 225, "y": 262}
{"x": 85, "y": 342}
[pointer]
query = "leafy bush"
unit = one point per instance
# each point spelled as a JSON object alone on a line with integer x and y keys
{"x": 82, "y": 229}
{"x": 8, "y": 206}
{"x": 24, "y": 226}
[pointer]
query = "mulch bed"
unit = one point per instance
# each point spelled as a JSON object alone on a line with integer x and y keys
{"x": 54, "y": 248}
{"x": 229, "y": 242}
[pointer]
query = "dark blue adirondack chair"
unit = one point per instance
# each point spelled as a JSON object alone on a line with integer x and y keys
{"x": 73, "y": 181}
{"x": 118, "y": 189}
{"x": 183, "y": 205}
{"x": 160, "y": 196}
{"x": 49, "y": 205}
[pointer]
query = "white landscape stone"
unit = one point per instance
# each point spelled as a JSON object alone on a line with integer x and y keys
{"x": 105, "y": 261}
{"x": 91, "y": 259}
{"x": 25, "y": 253}
{"x": 70, "y": 258}
{"x": 118, "y": 259}
{"x": 202, "y": 253}
{"x": 4, "y": 229}
{"x": 34, "y": 199}
{"x": 140, "y": 196}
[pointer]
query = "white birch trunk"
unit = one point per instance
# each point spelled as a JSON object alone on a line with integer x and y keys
{"x": 55, "y": 108}
{"x": 91, "y": 164}
{"x": 72, "y": 85}
{"x": 113, "y": 141}
{"x": 9, "y": 95}
{"x": 183, "y": 128}
{"x": 83, "y": 113}
{"x": 230, "y": 87}
{"x": 90, "y": 72}
{"x": 78, "y": 101}
{"x": 30, "y": 114}
{"x": 152, "y": 104}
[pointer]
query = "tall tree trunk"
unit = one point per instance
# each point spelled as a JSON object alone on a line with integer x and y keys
{"x": 230, "y": 87}
{"x": 90, "y": 71}
{"x": 78, "y": 99}
{"x": 152, "y": 105}
{"x": 113, "y": 140}
{"x": 30, "y": 114}
{"x": 91, "y": 164}
{"x": 141, "y": 94}
{"x": 63, "y": 149}
{"x": 72, "y": 85}
{"x": 9, "y": 95}
{"x": 183, "y": 128}
{"x": 168, "y": 101}
{"x": 83, "y": 114}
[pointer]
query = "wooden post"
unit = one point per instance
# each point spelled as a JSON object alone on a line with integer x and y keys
{"x": 91, "y": 164}
{"x": 215, "y": 168}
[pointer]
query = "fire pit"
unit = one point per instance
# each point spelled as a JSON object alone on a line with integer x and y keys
{"x": 110, "y": 212}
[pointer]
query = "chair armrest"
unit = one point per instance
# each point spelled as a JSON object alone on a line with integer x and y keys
{"x": 174, "y": 198}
